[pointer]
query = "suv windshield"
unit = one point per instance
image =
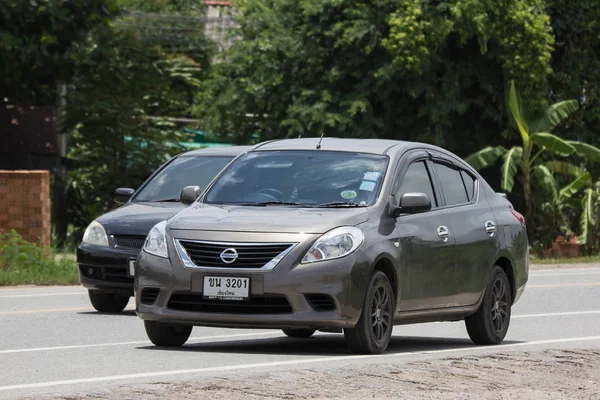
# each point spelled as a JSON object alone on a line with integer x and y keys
{"x": 308, "y": 177}
{"x": 181, "y": 172}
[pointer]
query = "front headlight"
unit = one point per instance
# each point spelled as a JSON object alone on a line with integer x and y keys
{"x": 156, "y": 242}
{"x": 95, "y": 234}
{"x": 336, "y": 243}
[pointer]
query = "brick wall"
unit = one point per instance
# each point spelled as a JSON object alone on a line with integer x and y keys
{"x": 25, "y": 204}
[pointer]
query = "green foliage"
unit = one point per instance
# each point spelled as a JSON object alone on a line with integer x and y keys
{"x": 520, "y": 160}
{"x": 510, "y": 167}
{"x": 399, "y": 69}
{"x": 36, "y": 44}
{"x": 130, "y": 83}
{"x": 22, "y": 262}
{"x": 576, "y": 65}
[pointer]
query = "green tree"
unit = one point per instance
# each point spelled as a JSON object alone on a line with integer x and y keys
{"x": 36, "y": 43}
{"x": 576, "y": 65}
{"x": 400, "y": 69}
{"x": 129, "y": 86}
{"x": 524, "y": 161}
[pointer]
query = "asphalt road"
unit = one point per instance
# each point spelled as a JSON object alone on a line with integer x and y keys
{"x": 53, "y": 343}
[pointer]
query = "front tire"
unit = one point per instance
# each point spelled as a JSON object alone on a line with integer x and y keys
{"x": 108, "y": 302}
{"x": 167, "y": 335}
{"x": 299, "y": 333}
{"x": 490, "y": 323}
{"x": 373, "y": 332}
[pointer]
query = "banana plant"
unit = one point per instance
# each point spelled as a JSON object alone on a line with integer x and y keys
{"x": 536, "y": 139}
{"x": 590, "y": 202}
{"x": 558, "y": 200}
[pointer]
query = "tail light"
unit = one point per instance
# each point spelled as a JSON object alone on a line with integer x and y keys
{"x": 518, "y": 216}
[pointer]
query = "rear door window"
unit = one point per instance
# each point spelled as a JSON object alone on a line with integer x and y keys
{"x": 469, "y": 182}
{"x": 452, "y": 184}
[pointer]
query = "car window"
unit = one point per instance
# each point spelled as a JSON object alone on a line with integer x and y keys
{"x": 417, "y": 180}
{"x": 452, "y": 184}
{"x": 469, "y": 182}
{"x": 181, "y": 172}
{"x": 307, "y": 177}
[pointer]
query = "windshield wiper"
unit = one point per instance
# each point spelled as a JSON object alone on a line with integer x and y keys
{"x": 166, "y": 201}
{"x": 340, "y": 204}
{"x": 268, "y": 203}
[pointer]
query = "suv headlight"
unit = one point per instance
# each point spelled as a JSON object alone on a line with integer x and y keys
{"x": 156, "y": 242}
{"x": 336, "y": 243}
{"x": 95, "y": 234}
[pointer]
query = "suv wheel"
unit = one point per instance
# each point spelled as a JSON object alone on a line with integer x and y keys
{"x": 373, "y": 332}
{"x": 299, "y": 333}
{"x": 107, "y": 302}
{"x": 490, "y": 323}
{"x": 167, "y": 335}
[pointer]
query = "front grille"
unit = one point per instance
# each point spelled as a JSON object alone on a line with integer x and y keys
{"x": 263, "y": 304}
{"x": 208, "y": 254}
{"x": 320, "y": 302}
{"x": 132, "y": 242}
{"x": 109, "y": 274}
{"x": 149, "y": 296}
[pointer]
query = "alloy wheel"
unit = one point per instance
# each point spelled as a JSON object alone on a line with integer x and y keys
{"x": 381, "y": 313}
{"x": 499, "y": 304}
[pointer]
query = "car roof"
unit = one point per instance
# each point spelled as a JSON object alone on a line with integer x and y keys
{"x": 373, "y": 146}
{"x": 218, "y": 151}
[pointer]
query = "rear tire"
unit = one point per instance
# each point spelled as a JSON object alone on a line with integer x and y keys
{"x": 373, "y": 332}
{"x": 490, "y": 323}
{"x": 299, "y": 333}
{"x": 167, "y": 335}
{"x": 108, "y": 302}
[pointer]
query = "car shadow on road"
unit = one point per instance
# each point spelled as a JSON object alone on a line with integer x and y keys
{"x": 318, "y": 345}
{"x": 126, "y": 313}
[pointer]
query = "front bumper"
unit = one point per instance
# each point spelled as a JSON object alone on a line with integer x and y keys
{"x": 105, "y": 268}
{"x": 322, "y": 295}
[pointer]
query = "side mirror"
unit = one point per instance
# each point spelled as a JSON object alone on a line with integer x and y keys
{"x": 411, "y": 203}
{"x": 122, "y": 195}
{"x": 189, "y": 194}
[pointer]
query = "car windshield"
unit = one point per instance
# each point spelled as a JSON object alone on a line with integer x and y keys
{"x": 301, "y": 178}
{"x": 181, "y": 172}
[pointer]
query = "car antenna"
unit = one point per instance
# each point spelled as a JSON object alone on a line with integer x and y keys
{"x": 319, "y": 144}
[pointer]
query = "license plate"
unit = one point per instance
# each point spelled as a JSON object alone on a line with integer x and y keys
{"x": 131, "y": 268}
{"x": 226, "y": 288}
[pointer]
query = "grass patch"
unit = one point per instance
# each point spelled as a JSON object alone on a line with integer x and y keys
{"x": 574, "y": 260}
{"x": 25, "y": 263}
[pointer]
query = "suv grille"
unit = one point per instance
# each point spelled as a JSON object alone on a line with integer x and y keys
{"x": 207, "y": 254}
{"x": 264, "y": 304}
{"x": 133, "y": 242}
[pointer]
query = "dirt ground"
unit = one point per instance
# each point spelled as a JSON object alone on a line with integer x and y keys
{"x": 550, "y": 374}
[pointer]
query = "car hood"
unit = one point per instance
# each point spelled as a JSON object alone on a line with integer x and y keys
{"x": 137, "y": 218}
{"x": 280, "y": 219}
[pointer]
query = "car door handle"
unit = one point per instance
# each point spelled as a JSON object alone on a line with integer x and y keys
{"x": 490, "y": 228}
{"x": 443, "y": 233}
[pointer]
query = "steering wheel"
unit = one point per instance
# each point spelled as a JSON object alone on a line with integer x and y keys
{"x": 266, "y": 191}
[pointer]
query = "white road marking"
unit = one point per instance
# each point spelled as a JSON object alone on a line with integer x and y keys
{"x": 556, "y": 314}
{"x": 553, "y": 285}
{"x": 579, "y": 273}
{"x": 224, "y": 368}
{"x": 562, "y": 271}
{"x": 81, "y": 346}
{"x": 14, "y": 296}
